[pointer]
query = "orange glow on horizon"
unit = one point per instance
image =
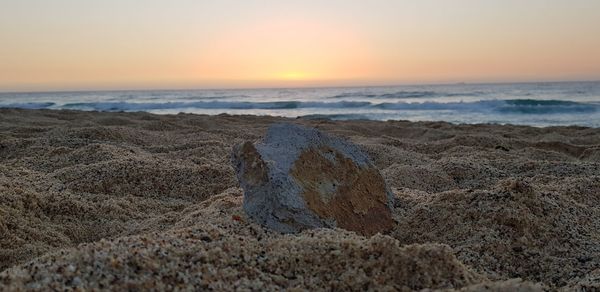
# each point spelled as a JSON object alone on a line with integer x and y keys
{"x": 137, "y": 44}
{"x": 288, "y": 50}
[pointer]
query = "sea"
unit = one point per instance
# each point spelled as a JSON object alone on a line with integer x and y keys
{"x": 534, "y": 104}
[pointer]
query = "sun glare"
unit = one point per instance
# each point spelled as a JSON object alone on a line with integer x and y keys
{"x": 286, "y": 50}
{"x": 294, "y": 75}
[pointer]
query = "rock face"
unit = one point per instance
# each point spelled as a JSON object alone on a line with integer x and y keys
{"x": 298, "y": 178}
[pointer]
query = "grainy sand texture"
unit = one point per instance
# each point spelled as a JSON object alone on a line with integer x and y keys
{"x": 139, "y": 201}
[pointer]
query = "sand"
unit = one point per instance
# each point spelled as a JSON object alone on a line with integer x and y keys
{"x": 139, "y": 201}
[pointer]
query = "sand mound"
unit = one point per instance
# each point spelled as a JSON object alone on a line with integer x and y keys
{"x": 38, "y": 214}
{"x": 203, "y": 258}
{"x": 133, "y": 199}
{"x": 513, "y": 230}
{"x": 429, "y": 179}
{"x": 223, "y": 253}
{"x": 149, "y": 177}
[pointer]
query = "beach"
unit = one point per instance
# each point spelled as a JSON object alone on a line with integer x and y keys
{"x": 113, "y": 200}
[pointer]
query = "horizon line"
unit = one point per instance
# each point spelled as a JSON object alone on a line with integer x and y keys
{"x": 296, "y": 87}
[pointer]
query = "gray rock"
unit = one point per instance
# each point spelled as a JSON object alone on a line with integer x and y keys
{"x": 298, "y": 178}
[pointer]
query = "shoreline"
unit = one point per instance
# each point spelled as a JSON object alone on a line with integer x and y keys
{"x": 150, "y": 201}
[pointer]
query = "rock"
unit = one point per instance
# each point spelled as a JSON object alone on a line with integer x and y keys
{"x": 298, "y": 178}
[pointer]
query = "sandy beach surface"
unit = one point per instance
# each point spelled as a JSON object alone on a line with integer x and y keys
{"x": 139, "y": 201}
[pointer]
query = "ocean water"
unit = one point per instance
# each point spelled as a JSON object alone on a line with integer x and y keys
{"x": 535, "y": 104}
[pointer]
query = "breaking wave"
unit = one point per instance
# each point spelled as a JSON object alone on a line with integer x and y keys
{"x": 127, "y": 106}
{"x": 513, "y": 106}
{"x": 406, "y": 95}
{"x": 28, "y": 105}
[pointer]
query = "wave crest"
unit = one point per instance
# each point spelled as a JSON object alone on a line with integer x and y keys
{"x": 405, "y": 95}
{"x": 511, "y": 106}
{"x": 29, "y": 105}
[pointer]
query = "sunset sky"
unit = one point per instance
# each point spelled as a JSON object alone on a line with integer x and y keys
{"x": 134, "y": 44}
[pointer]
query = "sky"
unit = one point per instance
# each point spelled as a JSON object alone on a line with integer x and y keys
{"x": 149, "y": 44}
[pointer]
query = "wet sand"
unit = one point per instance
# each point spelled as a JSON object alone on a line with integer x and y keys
{"x": 137, "y": 201}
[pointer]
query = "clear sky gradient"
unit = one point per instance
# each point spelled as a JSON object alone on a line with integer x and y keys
{"x": 133, "y": 44}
